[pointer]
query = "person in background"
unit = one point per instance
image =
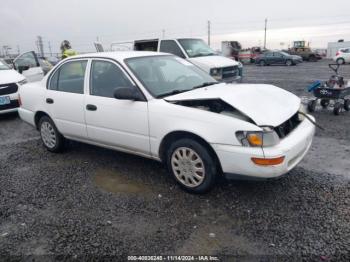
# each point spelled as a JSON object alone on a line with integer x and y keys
{"x": 67, "y": 50}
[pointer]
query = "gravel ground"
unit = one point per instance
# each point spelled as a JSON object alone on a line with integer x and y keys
{"x": 90, "y": 202}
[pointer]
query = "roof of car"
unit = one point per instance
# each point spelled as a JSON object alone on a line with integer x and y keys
{"x": 121, "y": 55}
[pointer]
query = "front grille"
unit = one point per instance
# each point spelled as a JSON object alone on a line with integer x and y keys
{"x": 6, "y": 89}
{"x": 12, "y": 105}
{"x": 230, "y": 71}
{"x": 287, "y": 127}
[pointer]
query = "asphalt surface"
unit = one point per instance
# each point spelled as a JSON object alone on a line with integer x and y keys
{"x": 90, "y": 202}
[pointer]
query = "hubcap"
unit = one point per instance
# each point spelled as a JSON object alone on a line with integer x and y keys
{"x": 188, "y": 167}
{"x": 48, "y": 134}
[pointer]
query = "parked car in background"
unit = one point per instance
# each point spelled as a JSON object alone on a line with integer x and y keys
{"x": 277, "y": 58}
{"x": 197, "y": 52}
{"x": 162, "y": 107}
{"x": 342, "y": 56}
{"x": 10, "y": 81}
{"x": 31, "y": 66}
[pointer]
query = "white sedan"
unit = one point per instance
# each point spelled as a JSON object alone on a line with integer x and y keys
{"x": 162, "y": 107}
{"x": 10, "y": 81}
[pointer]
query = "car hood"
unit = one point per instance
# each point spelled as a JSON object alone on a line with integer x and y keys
{"x": 266, "y": 105}
{"x": 215, "y": 61}
{"x": 10, "y": 76}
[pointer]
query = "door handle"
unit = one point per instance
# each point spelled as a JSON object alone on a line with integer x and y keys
{"x": 49, "y": 100}
{"x": 91, "y": 107}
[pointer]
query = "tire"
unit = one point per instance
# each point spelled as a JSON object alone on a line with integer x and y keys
{"x": 289, "y": 63}
{"x": 50, "y": 136}
{"x": 340, "y": 61}
{"x": 312, "y": 106}
{"x": 347, "y": 104}
{"x": 262, "y": 63}
{"x": 183, "y": 157}
{"x": 325, "y": 103}
{"x": 337, "y": 108}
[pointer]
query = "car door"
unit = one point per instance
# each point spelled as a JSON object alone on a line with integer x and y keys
{"x": 28, "y": 65}
{"x": 66, "y": 100}
{"x": 278, "y": 58}
{"x": 110, "y": 121}
{"x": 269, "y": 58}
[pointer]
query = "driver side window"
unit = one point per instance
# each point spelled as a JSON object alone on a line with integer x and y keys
{"x": 105, "y": 78}
{"x": 27, "y": 59}
{"x": 170, "y": 46}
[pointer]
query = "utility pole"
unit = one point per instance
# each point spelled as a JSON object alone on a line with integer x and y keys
{"x": 163, "y": 33}
{"x": 18, "y": 50}
{"x": 265, "y": 33}
{"x": 97, "y": 39}
{"x": 41, "y": 46}
{"x": 50, "y": 48}
{"x": 208, "y": 33}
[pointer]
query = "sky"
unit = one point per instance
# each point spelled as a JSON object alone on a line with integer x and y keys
{"x": 84, "y": 21}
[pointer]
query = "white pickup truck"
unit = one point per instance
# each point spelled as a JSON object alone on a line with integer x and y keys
{"x": 198, "y": 53}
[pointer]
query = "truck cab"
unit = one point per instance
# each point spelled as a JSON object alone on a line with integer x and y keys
{"x": 198, "y": 53}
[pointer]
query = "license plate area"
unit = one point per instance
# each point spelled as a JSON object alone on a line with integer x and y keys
{"x": 5, "y": 100}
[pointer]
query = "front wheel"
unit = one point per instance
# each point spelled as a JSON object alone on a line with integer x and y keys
{"x": 50, "y": 136}
{"x": 289, "y": 62}
{"x": 192, "y": 165}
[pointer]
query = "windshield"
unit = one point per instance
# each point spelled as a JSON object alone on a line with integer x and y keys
{"x": 168, "y": 75}
{"x": 196, "y": 47}
{"x": 3, "y": 65}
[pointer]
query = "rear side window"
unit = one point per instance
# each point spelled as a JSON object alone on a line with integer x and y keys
{"x": 105, "y": 78}
{"x": 170, "y": 46}
{"x": 69, "y": 78}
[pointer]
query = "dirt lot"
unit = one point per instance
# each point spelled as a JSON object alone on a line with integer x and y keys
{"x": 93, "y": 202}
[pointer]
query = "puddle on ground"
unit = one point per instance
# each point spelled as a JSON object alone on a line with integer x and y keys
{"x": 115, "y": 182}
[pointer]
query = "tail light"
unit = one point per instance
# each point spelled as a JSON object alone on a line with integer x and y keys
{"x": 338, "y": 53}
{"x": 19, "y": 100}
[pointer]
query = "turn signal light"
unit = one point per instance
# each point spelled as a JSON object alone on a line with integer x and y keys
{"x": 255, "y": 139}
{"x": 268, "y": 161}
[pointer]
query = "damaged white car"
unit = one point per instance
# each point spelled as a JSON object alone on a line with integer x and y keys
{"x": 163, "y": 107}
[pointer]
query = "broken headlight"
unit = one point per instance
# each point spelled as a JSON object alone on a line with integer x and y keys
{"x": 267, "y": 137}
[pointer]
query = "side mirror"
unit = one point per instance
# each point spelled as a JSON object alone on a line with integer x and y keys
{"x": 22, "y": 68}
{"x": 128, "y": 93}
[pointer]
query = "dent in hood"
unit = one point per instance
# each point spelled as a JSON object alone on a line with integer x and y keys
{"x": 266, "y": 105}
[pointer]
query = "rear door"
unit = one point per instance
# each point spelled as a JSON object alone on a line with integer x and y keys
{"x": 65, "y": 98}
{"x": 110, "y": 121}
{"x": 31, "y": 61}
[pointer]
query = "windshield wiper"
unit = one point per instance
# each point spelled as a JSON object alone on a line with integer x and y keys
{"x": 174, "y": 92}
{"x": 205, "y": 84}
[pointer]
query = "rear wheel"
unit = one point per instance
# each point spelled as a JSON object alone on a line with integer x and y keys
{"x": 325, "y": 103}
{"x": 192, "y": 165}
{"x": 337, "y": 108}
{"x": 347, "y": 104}
{"x": 340, "y": 61}
{"x": 50, "y": 136}
{"x": 312, "y": 106}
